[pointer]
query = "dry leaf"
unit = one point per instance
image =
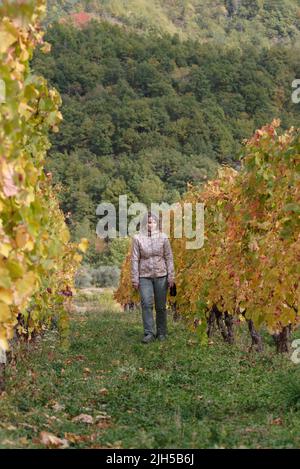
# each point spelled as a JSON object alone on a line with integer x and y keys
{"x": 58, "y": 407}
{"x": 250, "y": 430}
{"x": 53, "y": 417}
{"x": 73, "y": 438}
{"x": 23, "y": 440}
{"x": 8, "y": 426}
{"x": 84, "y": 418}
{"x": 277, "y": 421}
{"x": 27, "y": 425}
{"x": 192, "y": 342}
{"x": 8, "y": 442}
{"x": 104, "y": 424}
{"x": 116, "y": 444}
{"x": 102, "y": 416}
{"x": 52, "y": 441}
{"x": 79, "y": 357}
{"x": 103, "y": 391}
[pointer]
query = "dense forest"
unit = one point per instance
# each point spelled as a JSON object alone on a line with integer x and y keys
{"x": 260, "y": 22}
{"x": 145, "y": 114}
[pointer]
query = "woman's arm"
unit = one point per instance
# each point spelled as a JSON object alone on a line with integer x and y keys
{"x": 169, "y": 260}
{"x": 135, "y": 258}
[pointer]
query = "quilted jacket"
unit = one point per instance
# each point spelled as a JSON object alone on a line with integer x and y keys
{"x": 151, "y": 256}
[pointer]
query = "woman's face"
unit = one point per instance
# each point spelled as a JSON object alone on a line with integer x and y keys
{"x": 152, "y": 224}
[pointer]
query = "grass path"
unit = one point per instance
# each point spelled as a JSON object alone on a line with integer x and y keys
{"x": 161, "y": 395}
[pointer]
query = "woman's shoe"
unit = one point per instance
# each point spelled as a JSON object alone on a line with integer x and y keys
{"x": 147, "y": 338}
{"x": 161, "y": 337}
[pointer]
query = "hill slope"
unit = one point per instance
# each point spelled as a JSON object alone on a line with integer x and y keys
{"x": 261, "y": 22}
{"x": 145, "y": 115}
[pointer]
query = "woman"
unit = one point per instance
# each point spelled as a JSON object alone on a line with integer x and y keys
{"x": 152, "y": 272}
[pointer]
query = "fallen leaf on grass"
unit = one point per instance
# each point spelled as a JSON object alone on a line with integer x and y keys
{"x": 23, "y": 440}
{"x": 32, "y": 374}
{"x": 90, "y": 438}
{"x": 102, "y": 416}
{"x": 86, "y": 370}
{"x": 192, "y": 342}
{"x": 52, "y": 441}
{"x": 8, "y": 426}
{"x": 103, "y": 391}
{"x": 115, "y": 445}
{"x": 56, "y": 406}
{"x": 84, "y": 418}
{"x": 53, "y": 417}
{"x": 27, "y": 425}
{"x": 277, "y": 421}
{"x": 8, "y": 442}
{"x": 104, "y": 424}
{"x": 79, "y": 357}
{"x": 124, "y": 377}
{"x": 73, "y": 438}
{"x": 250, "y": 430}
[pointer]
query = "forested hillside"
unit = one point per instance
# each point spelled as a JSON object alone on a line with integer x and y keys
{"x": 144, "y": 115}
{"x": 261, "y": 22}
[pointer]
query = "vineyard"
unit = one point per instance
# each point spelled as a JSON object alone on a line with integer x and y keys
{"x": 249, "y": 266}
{"x": 73, "y": 372}
{"x": 37, "y": 259}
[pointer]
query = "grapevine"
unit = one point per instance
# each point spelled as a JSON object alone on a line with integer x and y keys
{"x": 37, "y": 259}
{"x": 248, "y": 267}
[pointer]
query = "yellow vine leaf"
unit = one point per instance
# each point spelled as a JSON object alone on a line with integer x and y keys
{"x": 6, "y": 296}
{"x": 83, "y": 245}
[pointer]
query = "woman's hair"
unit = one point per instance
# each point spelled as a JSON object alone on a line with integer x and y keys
{"x": 144, "y": 223}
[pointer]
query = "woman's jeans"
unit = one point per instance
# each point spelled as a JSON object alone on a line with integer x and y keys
{"x": 156, "y": 287}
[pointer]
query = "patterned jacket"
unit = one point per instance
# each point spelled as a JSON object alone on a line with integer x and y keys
{"x": 151, "y": 256}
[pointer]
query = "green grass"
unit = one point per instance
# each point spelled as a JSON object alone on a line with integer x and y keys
{"x": 161, "y": 395}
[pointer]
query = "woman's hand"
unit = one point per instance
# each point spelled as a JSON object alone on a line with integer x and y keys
{"x": 170, "y": 283}
{"x": 135, "y": 286}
